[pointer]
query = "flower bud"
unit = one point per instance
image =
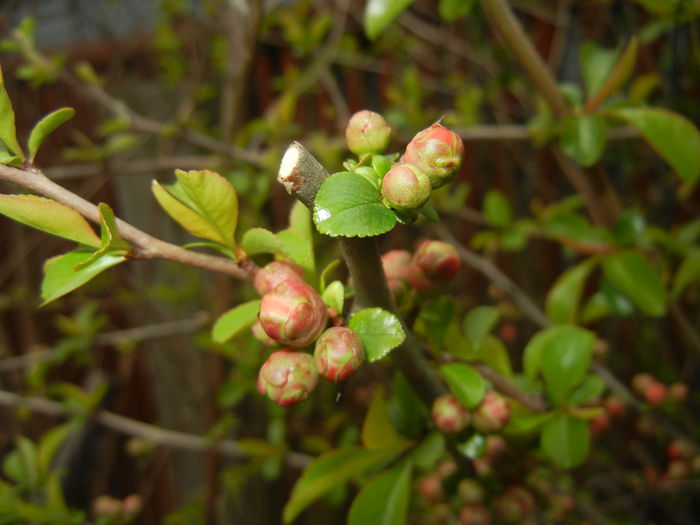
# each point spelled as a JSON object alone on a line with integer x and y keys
{"x": 515, "y": 504}
{"x": 655, "y": 393}
{"x": 106, "y": 506}
{"x": 434, "y": 267}
{"x": 449, "y": 415}
{"x": 437, "y": 152}
{"x": 274, "y": 273}
{"x": 677, "y": 392}
{"x": 677, "y": 469}
{"x": 614, "y": 406}
{"x": 680, "y": 449}
{"x": 287, "y": 377}
{"x": 405, "y": 187}
{"x": 367, "y": 132}
{"x": 430, "y": 489}
{"x": 641, "y": 381}
{"x": 397, "y": 264}
{"x": 132, "y": 505}
{"x": 475, "y": 515}
{"x": 293, "y": 313}
{"x": 261, "y": 336}
{"x": 493, "y": 413}
{"x": 470, "y": 491}
{"x": 339, "y": 353}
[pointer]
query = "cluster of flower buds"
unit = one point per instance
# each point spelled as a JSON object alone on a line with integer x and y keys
{"x": 293, "y": 314}
{"x": 451, "y": 417}
{"x": 656, "y": 393}
{"x": 493, "y": 413}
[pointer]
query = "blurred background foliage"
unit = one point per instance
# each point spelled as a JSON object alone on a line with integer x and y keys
{"x": 227, "y": 85}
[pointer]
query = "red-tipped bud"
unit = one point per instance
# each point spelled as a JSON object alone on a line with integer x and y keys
{"x": 677, "y": 392}
{"x": 293, "y": 313}
{"x": 405, "y": 187}
{"x": 470, "y": 491}
{"x": 515, "y": 504}
{"x": 437, "y": 152}
{"x": 367, "y": 132}
{"x": 614, "y": 406}
{"x": 655, "y": 394}
{"x": 680, "y": 449}
{"x": 449, "y": 415}
{"x": 287, "y": 377}
{"x": 274, "y": 273}
{"x": 475, "y": 515}
{"x": 430, "y": 489}
{"x": 600, "y": 423}
{"x": 495, "y": 446}
{"x": 482, "y": 467}
{"x": 260, "y": 335}
{"x": 397, "y": 264}
{"x": 339, "y": 353}
{"x": 434, "y": 267}
{"x": 641, "y": 381}
{"x": 493, "y": 413}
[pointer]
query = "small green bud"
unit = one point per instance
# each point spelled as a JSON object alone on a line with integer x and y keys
{"x": 367, "y": 132}
{"x": 405, "y": 187}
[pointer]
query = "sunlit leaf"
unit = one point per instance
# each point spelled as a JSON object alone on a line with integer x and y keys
{"x": 380, "y": 13}
{"x": 233, "y": 322}
{"x": 380, "y": 332}
{"x": 45, "y": 127}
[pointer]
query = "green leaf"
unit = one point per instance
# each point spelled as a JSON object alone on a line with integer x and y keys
{"x": 7, "y": 124}
{"x": 203, "y": 202}
{"x": 61, "y": 277}
{"x": 451, "y": 10}
{"x": 565, "y": 295}
{"x": 330, "y": 470}
{"x": 496, "y": 209}
{"x": 673, "y": 137}
{"x": 49, "y": 444}
{"x": 45, "y": 127}
{"x": 494, "y": 353}
{"x": 596, "y": 64}
{"x": 590, "y": 389}
{"x": 565, "y": 441}
{"x": 112, "y": 241}
{"x": 260, "y": 240}
{"x": 377, "y": 430}
{"x": 384, "y": 499}
{"x": 583, "y": 138}
{"x": 334, "y": 296}
{"x": 233, "y": 322}
{"x": 465, "y": 383}
{"x": 565, "y": 359}
{"x": 632, "y": 275}
{"x": 379, "y": 330}
{"x": 597, "y": 94}
{"x": 407, "y": 411}
{"x": 49, "y": 216}
{"x": 381, "y": 164}
{"x": 429, "y": 451}
{"x": 526, "y": 423}
{"x": 478, "y": 323}
{"x": 326, "y": 272}
{"x": 298, "y": 249}
{"x": 474, "y": 447}
{"x": 380, "y": 13}
{"x": 436, "y": 316}
{"x": 688, "y": 272}
{"x": 349, "y": 206}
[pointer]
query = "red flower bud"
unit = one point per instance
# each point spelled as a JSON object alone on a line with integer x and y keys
{"x": 434, "y": 267}
{"x": 475, "y": 515}
{"x": 430, "y": 489}
{"x": 274, "y": 273}
{"x": 261, "y": 336}
{"x": 449, "y": 415}
{"x": 437, "y": 152}
{"x": 470, "y": 491}
{"x": 641, "y": 381}
{"x": 397, "y": 264}
{"x": 614, "y": 406}
{"x": 293, "y": 313}
{"x": 680, "y": 449}
{"x": 367, "y": 132}
{"x": 515, "y": 504}
{"x": 339, "y": 353}
{"x": 655, "y": 393}
{"x": 287, "y": 377}
{"x": 493, "y": 413}
{"x": 405, "y": 187}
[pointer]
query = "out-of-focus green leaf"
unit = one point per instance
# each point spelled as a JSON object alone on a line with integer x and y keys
{"x": 465, "y": 383}
{"x": 583, "y": 138}
{"x": 597, "y": 94}
{"x": 384, "y": 499}
{"x": 478, "y": 323}
{"x": 565, "y": 359}
{"x": 45, "y": 127}
{"x": 632, "y": 275}
{"x": 497, "y": 209}
{"x": 377, "y": 430}
{"x": 7, "y": 123}
{"x": 451, "y": 10}
{"x": 380, "y": 13}
{"x": 590, "y": 389}
{"x": 565, "y": 441}
{"x": 233, "y": 322}
{"x": 565, "y": 295}
{"x": 596, "y": 64}
{"x": 688, "y": 272}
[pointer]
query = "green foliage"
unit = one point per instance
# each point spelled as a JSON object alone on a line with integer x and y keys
{"x": 384, "y": 499}
{"x": 380, "y": 332}
{"x": 583, "y": 138}
{"x": 45, "y": 127}
{"x": 233, "y": 322}
{"x": 631, "y": 274}
{"x": 564, "y": 297}
{"x": 465, "y": 383}
{"x": 478, "y": 323}
{"x": 496, "y": 209}
{"x": 8, "y": 135}
{"x": 378, "y": 431}
{"x": 565, "y": 441}
{"x": 380, "y": 13}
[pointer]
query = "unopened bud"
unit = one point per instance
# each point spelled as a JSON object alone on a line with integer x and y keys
{"x": 132, "y": 505}
{"x": 261, "y": 335}
{"x": 367, "y": 132}
{"x": 677, "y": 392}
{"x": 339, "y": 353}
{"x": 287, "y": 377}
{"x": 437, "y": 152}
{"x": 515, "y": 504}
{"x": 470, "y": 491}
{"x": 434, "y": 267}
{"x": 449, "y": 415}
{"x": 475, "y": 514}
{"x": 641, "y": 381}
{"x": 493, "y": 413}
{"x": 274, "y": 273}
{"x": 397, "y": 264}
{"x": 405, "y": 187}
{"x": 655, "y": 394}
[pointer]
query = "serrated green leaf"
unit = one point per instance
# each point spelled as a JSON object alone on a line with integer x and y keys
{"x": 45, "y": 127}
{"x": 49, "y": 216}
{"x": 497, "y": 209}
{"x": 380, "y": 332}
{"x": 451, "y": 10}
{"x": 674, "y": 137}
{"x": 61, "y": 277}
{"x": 334, "y": 296}
{"x": 378, "y": 432}
{"x": 565, "y": 441}
{"x": 380, "y": 13}
{"x": 565, "y": 294}
{"x": 348, "y": 205}
{"x": 465, "y": 383}
{"x": 631, "y": 274}
{"x": 478, "y": 323}
{"x": 384, "y": 499}
{"x": 688, "y": 272}
{"x": 8, "y": 134}
{"x": 565, "y": 359}
{"x": 583, "y": 138}
{"x": 233, "y": 322}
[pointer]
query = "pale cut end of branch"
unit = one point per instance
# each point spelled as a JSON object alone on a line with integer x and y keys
{"x": 301, "y": 174}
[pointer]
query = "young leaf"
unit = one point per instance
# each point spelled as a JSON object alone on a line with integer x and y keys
{"x": 564, "y": 296}
{"x": 596, "y": 64}
{"x": 478, "y": 323}
{"x": 474, "y": 447}
{"x": 233, "y": 322}
{"x": 299, "y": 250}
{"x": 614, "y": 81}
{"x": 49, "y": 216}
{"x": 590, "y": 389}
{"x": 380, "y": 332}
{"x": 348, "y": 205}
{"x": 334, "y": 296}
{"x": 632, "y": 275}
{"x": 384, "y": 499}
{"x": 377, "y": 430}
{"x": 8, "y": 135}
{"x": 497, "y": 209}
{"x": 688, "y": 271}
{"x": 451, "y": 10}
{"x": 61, "y": 277}
{"x": 260, "y": 240}
{"x": 45, "y": 127}
{"x": 494, "y": 353}
{"x": 583, "y": 138}
{"x": 565, "y": 441}
{"x": 673, "y": 137}
{"x": 112, "y": 241}
{"x": 380, "y": 13}
{"x": 565, "y": 360}
{"x": 465, "y": 383}
{"x": 331, "y": 470}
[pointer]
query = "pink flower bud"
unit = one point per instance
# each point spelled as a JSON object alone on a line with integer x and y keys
{"x": 261, "y": 336}
{"x": 367, "y": 132}
{"x": 293, "y": 313}
{"x": 515, "y": 504}
{"x": 397, "y": 264}
{"x": 614, "y": 406}
{"x": 655, "y": 394}
{"x": 434, "y": 267}
{"x": 437, "y": 152}
{"x": 430, "y": 489}
{"x": 493, "y": 413}
{"x": 339, "y": 353}
{"x": 449, "y": 415}
{"x": 274, "y": 273}
{"x": 641, "y": 381}
{"x": 405, "y": 187}
{"x": 475, "y": 515}
{"x": 287, "y": 377}
{"x": 470, "y": 491}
